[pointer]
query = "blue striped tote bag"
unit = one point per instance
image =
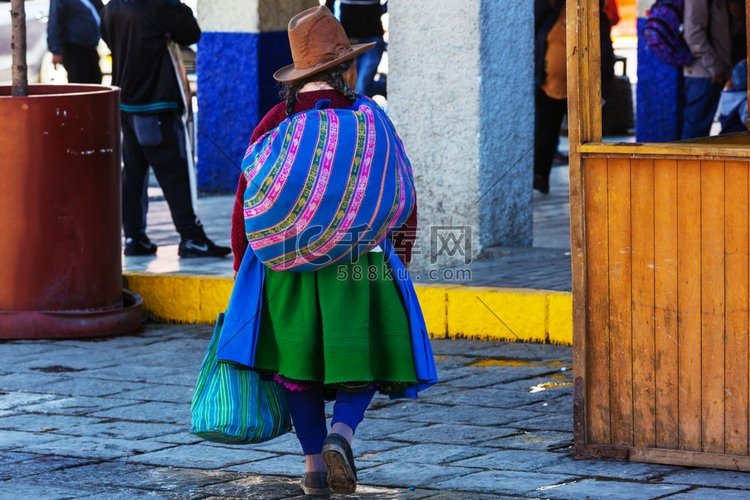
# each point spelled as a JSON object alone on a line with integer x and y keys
{"x": 233, "y": 405}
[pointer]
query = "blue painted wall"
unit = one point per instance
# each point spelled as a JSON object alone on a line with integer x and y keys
{"x": 658, "y": 95}
{"x": 235, "y": 89}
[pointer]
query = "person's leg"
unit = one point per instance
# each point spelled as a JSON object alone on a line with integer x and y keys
{"x": 701, "y": 101}
{"x": 348, "y": 412}
{"x": 82, "y": 64}
{"x": 93, "y": 71}
{"x": 379, "y": 87}
{"x": 367, "y": 65}
{"x": 167, "y": 155}
{"x": 309, "y": 418}
{"x": 169, "y": 161}
{"x": 75, "y": 63}
{"x": 548, "y": 114}
{"x": 134, "y": 177}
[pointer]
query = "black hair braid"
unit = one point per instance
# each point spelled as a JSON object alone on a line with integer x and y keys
{"x": 290, "y": 93}
{"x": 333, "y": 76}
{"x": 337, "y": 82}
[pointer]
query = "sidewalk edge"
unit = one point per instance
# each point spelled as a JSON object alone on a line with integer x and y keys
{"x": 450, "y": 311}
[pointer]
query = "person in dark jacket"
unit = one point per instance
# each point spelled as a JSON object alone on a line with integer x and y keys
{"x": 137, "y": 32}
{"x": 708, "y": 33}
{"x": 72, "y": 37}
{"x": 362, "y": 22}
{"x": 550, "y": 78}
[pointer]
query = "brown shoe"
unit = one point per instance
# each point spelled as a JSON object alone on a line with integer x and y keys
{"x": 342, "y": 474}
{"x": 315, "y": 483}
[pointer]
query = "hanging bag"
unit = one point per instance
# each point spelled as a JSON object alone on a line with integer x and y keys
{"x": 233, "y": 405}
{"x": 663, "y": 33}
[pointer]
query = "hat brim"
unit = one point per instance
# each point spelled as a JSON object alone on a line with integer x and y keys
{"x": 290, "y": 74}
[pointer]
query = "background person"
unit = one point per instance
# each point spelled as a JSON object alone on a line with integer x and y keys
{"x": 708, "y": 33}
{"x": 72, "y": 37}
{"x": 612, "y": 11}
{"x": 733, "y": 102}
{"x": 362, "y": 22}
{"x": 137, "y": 32}
{"x": 551, "y": 81}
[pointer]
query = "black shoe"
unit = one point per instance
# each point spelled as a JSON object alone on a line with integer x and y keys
{"x": 342, "y": 474}
{"x": 139, "y": 246}
{"x": 541, "y": 184}
{"x": 202, "y": 247}
{"x": 315, "y": 484}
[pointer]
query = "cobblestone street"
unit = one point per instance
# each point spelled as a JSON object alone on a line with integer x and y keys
{"x": 109, "y": 418}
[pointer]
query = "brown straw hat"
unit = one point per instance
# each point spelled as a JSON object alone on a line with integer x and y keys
{"x": 318, "y": 42}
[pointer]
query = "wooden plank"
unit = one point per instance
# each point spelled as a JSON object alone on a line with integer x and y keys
{"x": 737, "y": 231}
{"x": 620, "y": 320}
{"x": 597, "y": 300}
{"x": 593, "y": 81}
{"x": 669, "y": 150}
{"x": 689, "y": 302}
{"x": 642, "y": 299}
{"x": 691, "y": 459}
{"x": 579, "y": 15}
{"x": 579, "y": 282}
{"x": 576, "y": 67}
{"x": 712, "y": 310}
{"x": 577, "y": 238}
{"x": 673, "y": 457}
{"x": 665, "y": 311}
{"x": 584, "y": 72}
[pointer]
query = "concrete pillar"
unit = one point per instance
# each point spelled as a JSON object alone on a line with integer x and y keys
{"x": 243, "y": 43}
{"x": 461, "y": 95}
{"x": 658, "y": 94}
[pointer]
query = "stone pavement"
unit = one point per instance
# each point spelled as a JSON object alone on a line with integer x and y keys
{"x": 546, "y": 266}
{"x": 109, "y": 418}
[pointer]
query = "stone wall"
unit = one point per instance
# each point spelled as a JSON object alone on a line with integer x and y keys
{"x": 461, "y": 95}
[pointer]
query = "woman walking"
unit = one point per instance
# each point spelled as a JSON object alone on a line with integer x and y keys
{"x": 342, "y": 331}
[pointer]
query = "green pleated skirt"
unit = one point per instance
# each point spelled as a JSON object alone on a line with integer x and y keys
{"x": 344, "y": 325}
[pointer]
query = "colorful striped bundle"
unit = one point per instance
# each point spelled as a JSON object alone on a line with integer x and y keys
{"x": 325, "y": 186}
{"x": 233, "y": 405}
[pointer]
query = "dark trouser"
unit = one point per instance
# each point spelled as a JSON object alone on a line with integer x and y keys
{"x": 549, "y": 114}
{"x": 81, "y": 63}
{"x": 367, "y": 68}
{"x": 701, "y": 100}
{"x": 161, "y": 145}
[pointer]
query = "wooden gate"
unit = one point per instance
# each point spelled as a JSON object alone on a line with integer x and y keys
{"x": 661, "y": 281}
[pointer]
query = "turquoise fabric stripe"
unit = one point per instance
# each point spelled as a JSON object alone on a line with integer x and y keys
{"x": 147, "y": 108}
{"x": 233, "y": 405}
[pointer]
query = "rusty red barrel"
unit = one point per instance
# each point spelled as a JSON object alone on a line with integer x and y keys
{"x": 60, "y": 247}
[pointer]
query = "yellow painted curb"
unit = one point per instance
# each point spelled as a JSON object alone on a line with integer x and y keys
{"x": 179, "y": 298}
{"x": 450, "y": 311}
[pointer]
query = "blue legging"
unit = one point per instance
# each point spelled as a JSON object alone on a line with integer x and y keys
{"x": 309, "y": 416}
